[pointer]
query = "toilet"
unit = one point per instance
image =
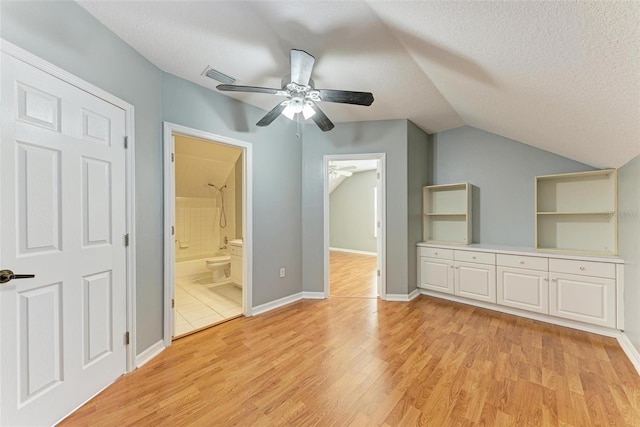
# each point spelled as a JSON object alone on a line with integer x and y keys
{"x": 219, "y": 265}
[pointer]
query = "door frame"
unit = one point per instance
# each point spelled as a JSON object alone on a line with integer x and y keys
{"x": 170, "y": 130}
{"x": 382, "y": 217}
{"x": 49, "y": 68}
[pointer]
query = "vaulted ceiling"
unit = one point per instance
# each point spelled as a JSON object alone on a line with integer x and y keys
{"x": 560, "y": 76}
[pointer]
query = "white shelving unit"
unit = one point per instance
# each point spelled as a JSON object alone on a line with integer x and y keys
{"x": 446, "y": 213}
{"x": 577, "y": 213}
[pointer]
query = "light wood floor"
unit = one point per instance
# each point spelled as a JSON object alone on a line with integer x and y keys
{"x": 367, "y": 362}
{"x": 352, "y": 275}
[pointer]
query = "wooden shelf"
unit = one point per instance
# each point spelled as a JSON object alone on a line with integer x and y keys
{"x": 447, "y": 213}
{"x": 577, "y": 212}
{"x": 607, "y": 213}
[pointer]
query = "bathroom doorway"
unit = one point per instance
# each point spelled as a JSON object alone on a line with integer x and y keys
{"x": 354, "y": 226}
{"x": 205, "y": 210}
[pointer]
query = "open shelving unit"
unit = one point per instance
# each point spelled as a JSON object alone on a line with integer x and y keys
{"x": 446, "y": 213}
{"x": 577, "y": 212}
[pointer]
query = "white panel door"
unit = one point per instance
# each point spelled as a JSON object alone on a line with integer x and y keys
{"x": 436, "y": 274}
{"x": 525, "y": 289}
{"x": 583, "y": 298}
{"x": 476, "y": 281}
{"x": 62, "y": 186}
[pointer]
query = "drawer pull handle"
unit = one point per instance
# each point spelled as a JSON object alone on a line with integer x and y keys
{"x": 436, "y": 253}
{"x": 581, "y": 268}
{"x": 546, "y": 279}
{"x": 554, "y": 280}
{"x": 521, "y": 262}
{"x": 451, "y": 266}
{"x": 473, "y": 257}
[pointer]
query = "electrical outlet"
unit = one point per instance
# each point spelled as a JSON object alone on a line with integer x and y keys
{"x": 282, "y": 272}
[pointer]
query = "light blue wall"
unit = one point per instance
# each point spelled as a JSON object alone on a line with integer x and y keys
{"x": 503, "y": 170}
{"x": 417, "y": 176}
{"x": 629, "y": 245}
{"x": 277, "y": 190}
{"x": 388, "y": 136}
{"x": 351, "y": 214}
{"x": 66, "y": 35}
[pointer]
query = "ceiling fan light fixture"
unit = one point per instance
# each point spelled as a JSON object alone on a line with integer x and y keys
{"x": 307, "y": 110}
{"x": 289, "y": 112}
{"x": 302, "y": 96}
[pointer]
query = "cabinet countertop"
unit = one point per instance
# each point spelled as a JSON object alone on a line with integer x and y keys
{"x": 522, "y": 250}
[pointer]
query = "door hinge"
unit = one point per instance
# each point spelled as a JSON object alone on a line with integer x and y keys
{"x": 173, "y": 157}
{"x": 378, "y": 273}
{"x": 126, "y": 240}
{"x": 126, "y": 142}
{"x": 378, "y": 224}
{"x": 378, "y": 175}
{"x": 173, "y": 303}
{"x": 126, "y": 338}
{"x": 173, "y": 230}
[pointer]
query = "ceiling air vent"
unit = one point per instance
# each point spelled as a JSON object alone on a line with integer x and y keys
{"x": 217, "y": 75}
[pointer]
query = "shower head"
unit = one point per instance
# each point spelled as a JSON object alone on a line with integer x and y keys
{"x": 216, "y": 187}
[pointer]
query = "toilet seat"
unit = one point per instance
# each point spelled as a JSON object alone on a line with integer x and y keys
{"x": 218, "y": 259}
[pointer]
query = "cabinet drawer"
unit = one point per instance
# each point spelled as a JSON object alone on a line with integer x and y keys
{"x": 479, "y": 257}
{"x": 517, "y": 261}
{"x": 436, "y": 253}
{"x": 583, "y": 268}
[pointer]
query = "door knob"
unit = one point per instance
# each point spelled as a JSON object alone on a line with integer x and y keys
{"x": 7, "y": 276}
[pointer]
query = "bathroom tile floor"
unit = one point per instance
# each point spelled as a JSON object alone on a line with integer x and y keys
{"x": 200, "y": 303}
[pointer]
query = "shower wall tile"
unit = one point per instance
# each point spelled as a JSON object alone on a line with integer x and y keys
{"x": 196, "y": 228}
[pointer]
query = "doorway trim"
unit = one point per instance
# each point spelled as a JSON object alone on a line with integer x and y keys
{"x": 170, "y": 130}
{"x": 382, "y": 216}
{"x": 130, "y": 214}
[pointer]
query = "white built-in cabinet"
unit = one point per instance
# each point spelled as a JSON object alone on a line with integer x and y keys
{"x": 595, "y": 285}
{"x": 436, "y": 272}
{"x": 465, "y": 273}
{"x": 446, "y": 213}
{"x": 523, "y": 282}
{"x": 577, "y": 213}
{"x": 586, "y": 289}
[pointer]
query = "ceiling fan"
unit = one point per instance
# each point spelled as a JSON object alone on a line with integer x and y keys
{"x": 302, "y": 96}
{"x": 344, "y": 171}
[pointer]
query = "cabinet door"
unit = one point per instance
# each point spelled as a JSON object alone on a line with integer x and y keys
{"x": 476, "y": 281}
{"x": 524, "y": 289}
{"x": 583, "y": 298}
{"x": 436, "y": 274}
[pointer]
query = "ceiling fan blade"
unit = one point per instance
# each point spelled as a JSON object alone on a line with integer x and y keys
{"x": 301, "y": 67}
{"x": 273, "y": 114}
{"x": 321, "y": 119}
{"x": 346, "y": 96}
{"x": 256, "y": 89}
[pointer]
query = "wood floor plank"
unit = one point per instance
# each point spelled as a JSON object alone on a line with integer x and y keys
{"x": 367, "y": 362}
{"x": 352, "y": 275}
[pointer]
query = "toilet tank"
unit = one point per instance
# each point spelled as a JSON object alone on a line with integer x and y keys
{"x": 236, "y": 261}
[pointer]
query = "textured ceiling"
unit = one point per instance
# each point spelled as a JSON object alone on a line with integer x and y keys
{"x": 560, "y": 76}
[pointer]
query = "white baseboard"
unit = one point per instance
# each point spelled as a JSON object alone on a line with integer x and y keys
{"x": 149, "y": 353}
{"x": 403, "y": 297}
{"x": 313, "y": 295}
{"x": 599, "y": 330}
{"x": 353, "y": 251}
{"x": 272, "y": 305}
{"x": 629, "y": 349}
